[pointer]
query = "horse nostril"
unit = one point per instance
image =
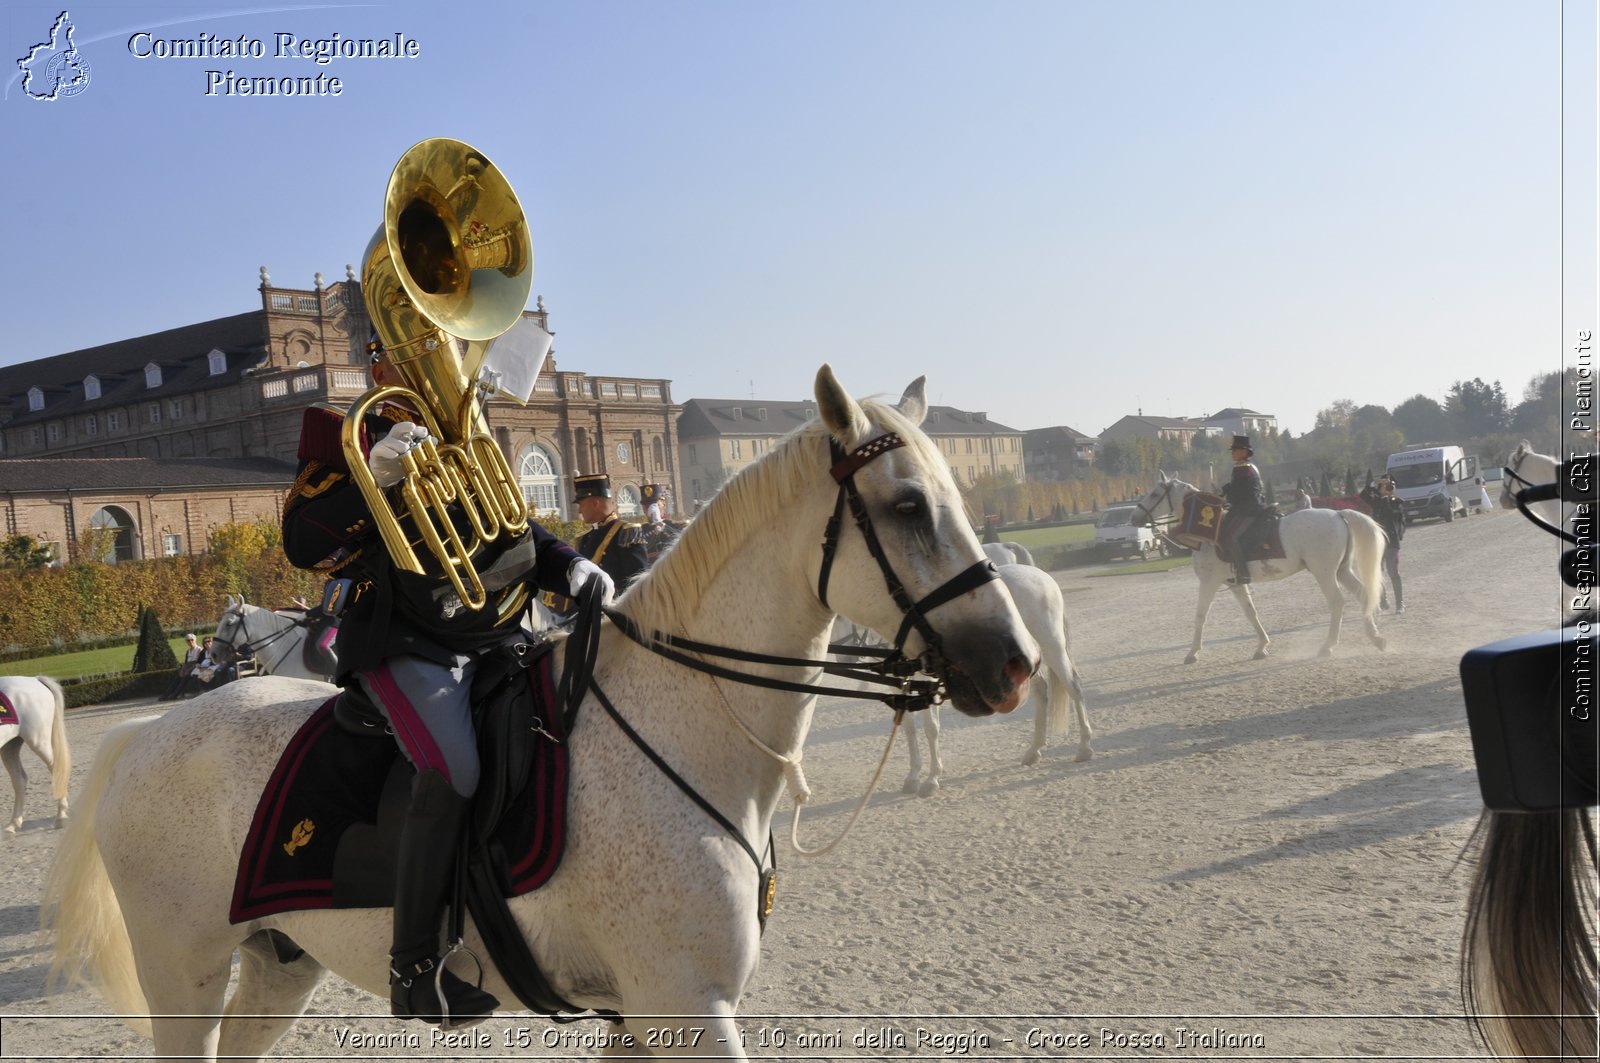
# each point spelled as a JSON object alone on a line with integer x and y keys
{"x": 1019, "y": 670}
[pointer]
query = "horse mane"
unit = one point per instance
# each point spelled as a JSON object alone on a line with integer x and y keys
{"x": 757, "y": 498}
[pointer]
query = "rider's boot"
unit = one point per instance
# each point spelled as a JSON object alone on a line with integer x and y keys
{"x": 429, "y": 842}
{"x": 1241, "y": 570}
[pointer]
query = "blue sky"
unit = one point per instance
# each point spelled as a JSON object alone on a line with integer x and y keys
{"x": 1061, "y": 212}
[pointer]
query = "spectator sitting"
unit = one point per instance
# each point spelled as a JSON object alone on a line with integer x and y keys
{"x": 186, "y": 670}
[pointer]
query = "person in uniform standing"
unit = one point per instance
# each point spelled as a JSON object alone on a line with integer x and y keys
{"x": 1390, "y": 513}
{"x": 1246, "y": 507}
{"x": 614, "y": 545}
{"x": 410, "y": 647}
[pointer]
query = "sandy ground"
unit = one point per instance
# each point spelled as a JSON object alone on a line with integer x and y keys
{"x": 1260, "y": 861}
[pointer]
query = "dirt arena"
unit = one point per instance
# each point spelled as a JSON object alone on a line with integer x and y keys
{"x": 1260, "y": 861}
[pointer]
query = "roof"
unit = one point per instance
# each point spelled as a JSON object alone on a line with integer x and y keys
{"x": 1235, "y": 411}
{"x": 1188, "y": 423}
{"x": 1056, "y": 434}
{"x": 52, "y": 475}
{"x": 760, "y": 417}
{"x": 180, "y": 352}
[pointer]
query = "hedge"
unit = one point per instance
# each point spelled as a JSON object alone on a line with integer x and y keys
{"x": 117, "y": 688}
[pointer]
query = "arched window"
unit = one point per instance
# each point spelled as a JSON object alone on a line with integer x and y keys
{"x": 111, "y": 536}
{"x": 536, "y": 475}
{"x": 628, "y": 501}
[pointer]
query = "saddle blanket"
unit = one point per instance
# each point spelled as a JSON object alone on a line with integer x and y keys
{"x": 8, "y": 713}
{"x": 326, "y": 826}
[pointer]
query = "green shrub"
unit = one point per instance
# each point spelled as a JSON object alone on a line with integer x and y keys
{"x": 117, "y": 688}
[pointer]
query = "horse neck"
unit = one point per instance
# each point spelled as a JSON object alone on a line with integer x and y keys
{"x": 756, "y": 594}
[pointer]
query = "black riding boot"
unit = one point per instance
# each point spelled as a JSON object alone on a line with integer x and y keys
{"x": 1241, "y": 570}
{"x": 429, "y": 841}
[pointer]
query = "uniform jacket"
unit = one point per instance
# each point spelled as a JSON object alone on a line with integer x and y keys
{"x": 618, "y": 548}
{"x": 326, "y": 524}
{"x": 1243, "y": 492}
{"x": 1390, "y": 513}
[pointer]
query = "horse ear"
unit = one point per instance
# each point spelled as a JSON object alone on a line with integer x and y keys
{"x": 1161, "y": 476}
{"x": 840, "y": 412}
{"x": 913, "y": 404}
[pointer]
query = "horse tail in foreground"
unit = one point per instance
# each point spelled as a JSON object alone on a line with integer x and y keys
{"x": 80, "y": 907}
{"x": 60, "y": 755}
{"x": 1528, "y": 951}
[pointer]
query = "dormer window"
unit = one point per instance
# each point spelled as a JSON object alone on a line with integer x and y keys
{"x": 152, "y": 375}
{"x": 91, "y": 388}
{"x": 35, "y": 398}
{"x": 218, "y": 363}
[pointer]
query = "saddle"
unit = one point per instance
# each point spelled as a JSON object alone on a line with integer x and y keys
{"x": 8, "y": 713}
{"x": 1262, "y": 541}
{"x": 327, "y": 824}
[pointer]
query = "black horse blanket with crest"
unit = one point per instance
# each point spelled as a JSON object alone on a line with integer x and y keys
{"x": 326, "y": 825}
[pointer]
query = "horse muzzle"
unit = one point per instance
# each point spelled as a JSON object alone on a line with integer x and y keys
{"x": 986, "y": 672}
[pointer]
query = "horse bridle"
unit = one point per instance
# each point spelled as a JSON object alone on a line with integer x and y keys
{"x": 254, "y": 647}
{"x": 892, "y": 667}
{"x": 1532, "y": 492}
{"x": 1166, "y": 496}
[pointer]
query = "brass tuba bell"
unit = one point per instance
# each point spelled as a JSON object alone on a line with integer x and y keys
{"x": 449, "y": 270}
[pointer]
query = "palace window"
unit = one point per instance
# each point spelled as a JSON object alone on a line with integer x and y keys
{"x": 91, "y": 388}
{"x": 35, "y": 398}
{"x": 114, "y": 421}
{"x": 91, "y": 425}
{"x": 217, "y": 363}
{"x": 536, "y": 476}
{"x": 152, "y": 375}
{"x": 171, "y": 545}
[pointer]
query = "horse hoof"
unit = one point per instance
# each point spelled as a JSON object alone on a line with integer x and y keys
{"x": 1193, "y": 657}
{"x": 1381, "y": 643}
{"x": 1083, "y": 754}
{"x": 909, "y": 786}
{"x": 1030, "y": 758}
{"x": 1327, "y": 651}
{"x": 929, "y": 788}
{"x": 1261, "y": 655}
{"x": 11, "y": 828}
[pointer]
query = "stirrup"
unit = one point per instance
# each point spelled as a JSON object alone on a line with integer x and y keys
{"x": 473, "y": 1005}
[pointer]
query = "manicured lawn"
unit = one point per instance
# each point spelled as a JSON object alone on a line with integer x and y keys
{"x": 1066, "y": 535}
{"x": 83, "y": 662}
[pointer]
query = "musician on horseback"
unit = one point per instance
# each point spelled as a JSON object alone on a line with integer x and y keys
{"x": 407, "y": 645}
{"x": 1247, "y": 505}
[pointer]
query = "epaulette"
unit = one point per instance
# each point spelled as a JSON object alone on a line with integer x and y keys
{"x": 320, "y": 431}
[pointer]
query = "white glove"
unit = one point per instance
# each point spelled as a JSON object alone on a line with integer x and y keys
{"x": 384, "y": 458}
{"x": 582, "y": 571}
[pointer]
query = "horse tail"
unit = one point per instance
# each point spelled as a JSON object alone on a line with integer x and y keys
{"x": 1020, "y": 552}
{"x": 1362, "y": 564}
{"x": 1062, "y": 689}
{"x": 1527, "y": 952}
{"x": 80, "y": 907}
{"x": 60, "y": 754}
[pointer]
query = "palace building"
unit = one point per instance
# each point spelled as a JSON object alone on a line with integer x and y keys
{"x": 203, "y": 421}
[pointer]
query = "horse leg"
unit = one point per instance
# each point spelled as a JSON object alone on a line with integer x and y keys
{"x": 1330, "y": 590}
{"x": 11, "y": 756}
{"x": 185, "y": 994}
{"x": 271, "y": 995}
{"x": 670, "y": 1032}
{"x": 930, "y": 726}
{"x": 1248, "y": 604}
{"x": 914, "y": 776}
{"x": 1208, "y": 591}
{"x": 1041, "y": 715}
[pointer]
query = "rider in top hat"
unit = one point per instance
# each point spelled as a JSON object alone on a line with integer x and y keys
{"x": 615, "y": 546}
{"x": 1246, "y": 505}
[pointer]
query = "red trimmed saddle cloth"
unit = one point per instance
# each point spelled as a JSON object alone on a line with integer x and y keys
{"x": 326, "y": 826}
{"x": 8, "y": 713}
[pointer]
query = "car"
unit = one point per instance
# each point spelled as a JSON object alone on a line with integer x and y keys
{"x": 1116, "y": 535}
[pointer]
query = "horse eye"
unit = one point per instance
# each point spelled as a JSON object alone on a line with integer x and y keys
{"x": 907, "y": 508}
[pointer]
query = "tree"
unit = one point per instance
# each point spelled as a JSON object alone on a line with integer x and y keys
{"x": 1477, "y": 409}
{"x": 1336, "y": 416}
{"x": 24, "y": 551}
{"x": 154, "y": 652}
{"x": 1421, "y": 420}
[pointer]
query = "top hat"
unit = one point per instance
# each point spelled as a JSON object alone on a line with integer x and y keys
{"x": 595, "y": 485}
{"x": 1242, "y": 443}
{"x": 649, "y": 493}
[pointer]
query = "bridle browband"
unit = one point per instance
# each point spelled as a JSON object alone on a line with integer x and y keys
{"x": 892, "y": 667}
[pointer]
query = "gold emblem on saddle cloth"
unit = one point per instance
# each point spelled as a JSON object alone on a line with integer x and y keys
{"x": 1208, "y": 516}
{"x": 300, "y": 836}
{"x": 771, "y": 898}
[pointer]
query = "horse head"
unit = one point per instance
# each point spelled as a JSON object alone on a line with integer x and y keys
{"x": 1162, "y": 500}
{"x": 914, "y": 573}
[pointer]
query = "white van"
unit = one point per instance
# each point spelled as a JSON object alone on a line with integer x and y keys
{"x": 1441, "y": 482}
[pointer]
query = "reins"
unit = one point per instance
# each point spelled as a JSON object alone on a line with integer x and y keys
{"x": 1532, "y": 492}
{"x": 892, "y": 667}
{"x": 267, "y": 640}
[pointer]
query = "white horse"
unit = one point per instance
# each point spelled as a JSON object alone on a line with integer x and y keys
{"x": 1006, "y": 552}
{"x": 275, "y": 636}
{"x": 1526, "y": 467}
{"x": 1039, "y": 602}
{"x": 41, "y": 726}
{"x": 654, "y": 910}
{"x": 1337, "y": 546}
